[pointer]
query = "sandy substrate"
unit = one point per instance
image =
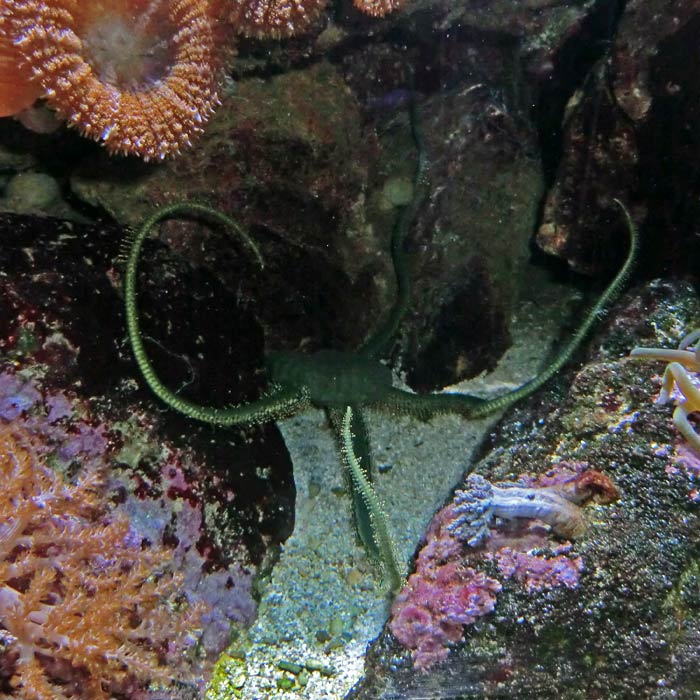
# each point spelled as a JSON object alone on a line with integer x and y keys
{"x": 323, "y": 602}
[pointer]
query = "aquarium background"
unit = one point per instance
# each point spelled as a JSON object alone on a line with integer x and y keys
{"x": 431, "y": 195}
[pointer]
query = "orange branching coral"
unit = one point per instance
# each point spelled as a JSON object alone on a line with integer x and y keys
{"x": 140, "y": 75}
{"x": 86, "y": 613}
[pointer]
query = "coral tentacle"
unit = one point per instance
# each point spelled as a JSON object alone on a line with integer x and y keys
{"x": 676, "y": 374}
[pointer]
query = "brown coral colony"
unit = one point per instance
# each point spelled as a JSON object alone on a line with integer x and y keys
{"x": 139, "y": 75}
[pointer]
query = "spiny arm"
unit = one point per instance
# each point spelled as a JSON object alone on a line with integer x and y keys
{"x": 382, "y": 547}
{"x": 472, "y": 407}
{"x": 281, "y": 402}
{"x": 380, "y": 341}
{"x": 360, "y": 450}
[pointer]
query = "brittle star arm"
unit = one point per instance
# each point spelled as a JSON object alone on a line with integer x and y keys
{"x": 360, "y": 449}
{"x": 380, "y": 341}
{"x": 281, "y": 402}
{"x": 426, "y": 405}
{"x": 382, "y": 548}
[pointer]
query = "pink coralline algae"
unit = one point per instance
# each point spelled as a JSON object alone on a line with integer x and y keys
{"x": 685, "y": 459}
{"x": 16, "y": 395}
{"x": 502, "y": 524}
{"x": 441, "y": 597}
{"x": 538, "y": 572}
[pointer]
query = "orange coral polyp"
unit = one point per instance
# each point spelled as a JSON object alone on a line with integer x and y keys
{"x": 378, "y": 8}
{"x": 17, "y": 92}
{"x": 139, "y": 75}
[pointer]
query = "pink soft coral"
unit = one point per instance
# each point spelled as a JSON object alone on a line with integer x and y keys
{"x": 442, "y": 596}
{"x": 445, "y": 594}
{"x": 87, "y": 612}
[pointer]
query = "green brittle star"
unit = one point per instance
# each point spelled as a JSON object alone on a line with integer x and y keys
{"x": 345, "y": 383}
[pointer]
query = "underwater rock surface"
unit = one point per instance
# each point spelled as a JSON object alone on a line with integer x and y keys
{"x": 627, "y": 623}
{"x": 293, "y": 161}
{"x": 311, "y": 135}
{"x": 288, "y": 159}
{"x": 629, "y": 131}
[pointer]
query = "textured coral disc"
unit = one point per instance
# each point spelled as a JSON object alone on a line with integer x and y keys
{"x": 378, "y": 8}
{"x": 17, "y": 92}
{"x": 274, "y": 18}
{"x": 283, "y": 18}
{"x": 140, "y": 75}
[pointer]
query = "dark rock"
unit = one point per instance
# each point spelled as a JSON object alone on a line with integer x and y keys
{"x": 306, "y": 141}
{"x": 62, "y": 321}
{"x": 630, "y": 131}
{"x": 630, "y": 625}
